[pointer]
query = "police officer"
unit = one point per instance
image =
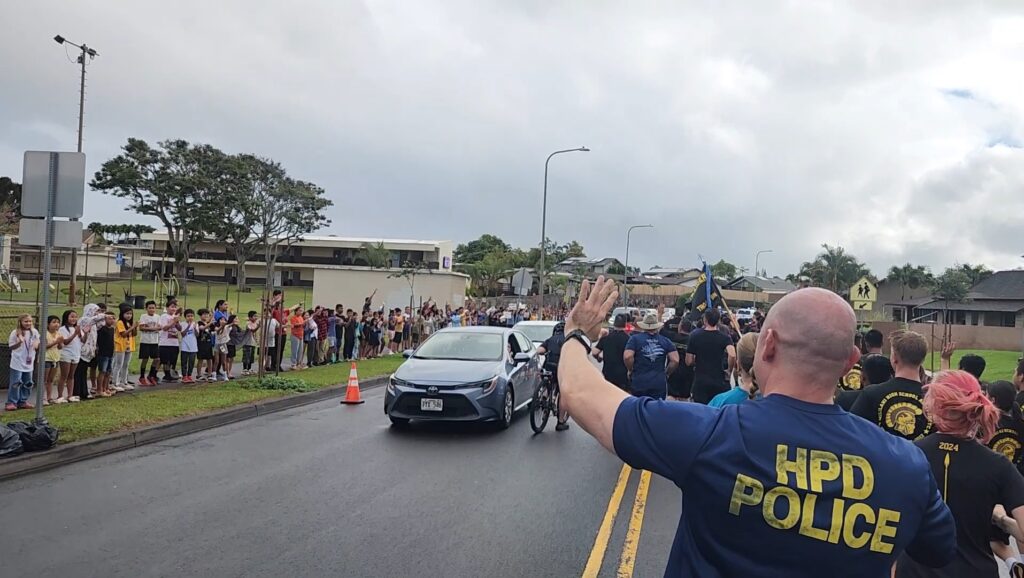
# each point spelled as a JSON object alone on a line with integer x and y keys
{"x": 551, "y": 349}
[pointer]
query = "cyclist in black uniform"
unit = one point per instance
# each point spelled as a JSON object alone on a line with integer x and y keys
{"x": 551, "y": 349}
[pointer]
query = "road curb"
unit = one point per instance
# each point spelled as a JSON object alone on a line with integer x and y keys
{"x": 77, "y": 451}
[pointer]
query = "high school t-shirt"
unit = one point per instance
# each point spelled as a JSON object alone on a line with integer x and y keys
{"x": 896, "y": 407}
{"x": 972, "y": 480}
{"x": 782, "y": 487}
{"x": 1008, "y": 440}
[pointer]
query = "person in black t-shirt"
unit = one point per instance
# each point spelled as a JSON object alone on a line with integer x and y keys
{"x": 1018, "y": 381}
{"x": 972, "y": 479}
{"x": 874, "y": 368}
{"x": 895, "y": 405}
{"x": 680, "y": 383}
{"x": 609, "y": 350}
{"x": 707, "y": 352}
{"x": 1008, "y": 441}
{"x": 551, "y": 349}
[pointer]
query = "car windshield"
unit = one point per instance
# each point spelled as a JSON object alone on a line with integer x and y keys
{"x": 536, "y": 333}
{"x": 463, "y": 346}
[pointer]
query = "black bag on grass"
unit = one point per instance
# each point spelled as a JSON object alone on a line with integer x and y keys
{"x": 10, "y": 442}
{"x": 35, "y": 438}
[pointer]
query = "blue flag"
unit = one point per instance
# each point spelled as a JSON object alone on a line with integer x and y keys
{"x": 705, "y": 293}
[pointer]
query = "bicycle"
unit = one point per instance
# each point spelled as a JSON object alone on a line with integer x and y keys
{"x": 544, "y": 403}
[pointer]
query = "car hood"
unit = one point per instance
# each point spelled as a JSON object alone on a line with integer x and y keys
{"x": 446, "y": 372}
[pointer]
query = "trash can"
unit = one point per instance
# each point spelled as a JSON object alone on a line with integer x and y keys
{"x": 5, "y": 365}
{"x": 139, "y": 301}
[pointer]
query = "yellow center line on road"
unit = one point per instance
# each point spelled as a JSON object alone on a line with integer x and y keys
{"x": 604, "y": 533}
{"x": 636, "y": 522}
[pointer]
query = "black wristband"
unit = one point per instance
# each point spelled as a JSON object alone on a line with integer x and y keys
{"x": 581, "y": 337}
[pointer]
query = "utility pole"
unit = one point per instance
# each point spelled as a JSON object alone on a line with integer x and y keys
{"x": 91, "y": 53}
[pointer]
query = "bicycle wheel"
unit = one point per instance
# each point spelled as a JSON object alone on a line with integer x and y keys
{"x": 540, "y": 408}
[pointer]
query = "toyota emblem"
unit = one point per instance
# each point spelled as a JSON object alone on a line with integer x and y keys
{"x": 432, "y": 390}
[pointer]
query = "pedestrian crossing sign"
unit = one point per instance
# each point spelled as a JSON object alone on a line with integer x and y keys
{"x": 863, "y": 291}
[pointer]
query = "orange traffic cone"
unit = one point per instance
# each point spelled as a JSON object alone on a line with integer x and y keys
{"x": 352, "y": 396}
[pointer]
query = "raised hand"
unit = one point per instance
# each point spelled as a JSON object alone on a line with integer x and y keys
{"x": 591, "y": 310}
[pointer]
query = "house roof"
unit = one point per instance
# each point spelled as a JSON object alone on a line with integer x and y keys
{"x": 586, "y": 261}
{"x": 666, "y": 271}
{"x": 912, "y": 302}
{"x": 996, "y": 305}
{"x": 1001, "y": 285}
{"x": 766, "y": 284}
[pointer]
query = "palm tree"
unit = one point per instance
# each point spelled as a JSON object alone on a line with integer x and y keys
{"x": 376, "y": 256}
{"x": 488, "y": 271}
{"x": 910, "y": 276}
{"x": 834, "y": 269}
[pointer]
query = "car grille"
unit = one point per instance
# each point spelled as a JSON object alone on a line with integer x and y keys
{"x": 454, "y": 406}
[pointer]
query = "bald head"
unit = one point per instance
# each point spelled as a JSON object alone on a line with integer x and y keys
{"x": 807, "y": 336}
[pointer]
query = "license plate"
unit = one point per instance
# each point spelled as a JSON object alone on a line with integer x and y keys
{"x": 431, "y": 404}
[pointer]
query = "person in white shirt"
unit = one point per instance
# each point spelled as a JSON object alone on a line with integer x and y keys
{"x": 170, "y": 329}
{"x": 149, "y": 344}
{"x": 24, "y": 344}
{"x": 270, "y": 340}
{"x": 71, "y": 339}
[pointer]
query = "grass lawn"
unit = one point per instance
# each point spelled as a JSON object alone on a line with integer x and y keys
{"x": 127, "y": 411}
{"x": 999, "y": 365}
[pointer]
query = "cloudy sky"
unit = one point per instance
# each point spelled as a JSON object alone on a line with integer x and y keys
{"x": 895, "y": 132}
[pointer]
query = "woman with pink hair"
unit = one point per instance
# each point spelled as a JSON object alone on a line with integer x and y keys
{"x": 971, "y": 478}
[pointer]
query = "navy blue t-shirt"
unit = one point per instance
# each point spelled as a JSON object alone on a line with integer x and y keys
{"x": 782, "y": 487}
{"x": 650, "y": 354}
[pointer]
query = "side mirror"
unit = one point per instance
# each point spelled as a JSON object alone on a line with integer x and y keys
{"x": 521, "y": 358}
{"x": 408, "y": 353}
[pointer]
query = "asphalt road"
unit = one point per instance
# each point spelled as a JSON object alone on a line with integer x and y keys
{"x": 329, "y": 490}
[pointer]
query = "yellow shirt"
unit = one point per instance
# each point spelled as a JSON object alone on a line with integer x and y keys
{"x": 52, "y": 353}
{"x": 122, "y": 344}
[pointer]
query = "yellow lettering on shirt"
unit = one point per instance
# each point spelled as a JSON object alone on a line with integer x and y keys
{"x": 792, "y": 510}
{"x": 858, "y": 509}
{"x": 807, "y": 519}
{"x": 740, "y": 495}
{"x": 803, "y": 476}
{"x": 883, "y": 529}
{"x": 784, "y": 466}
{"x": 825, "y": 467}
{"x": 851, "y": 463}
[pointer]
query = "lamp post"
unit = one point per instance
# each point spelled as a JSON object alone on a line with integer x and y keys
{"x": 91, "y": 53}
{"x": 544, "y": 221}
{"x": 757, "y": 256}
{"x": 625, "y": 275}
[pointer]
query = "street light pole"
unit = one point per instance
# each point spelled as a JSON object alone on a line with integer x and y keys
{"x": 544, "y": 221}
{"x": 756, "y": 274}
{"x": 625, "y": 275}
{"x": 91, "y": 53}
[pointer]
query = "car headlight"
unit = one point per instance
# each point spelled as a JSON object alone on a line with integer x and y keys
{"x": 490, "y": 385}
{"x": 392, "y": 382}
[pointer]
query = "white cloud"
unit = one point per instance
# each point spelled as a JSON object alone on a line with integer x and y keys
{"x": 732, "y": 128}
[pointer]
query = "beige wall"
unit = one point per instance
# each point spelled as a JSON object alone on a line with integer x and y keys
{"x": 966, "y": 336}
{"x": 351, "y": 286}
{"x": 96, "y": 265}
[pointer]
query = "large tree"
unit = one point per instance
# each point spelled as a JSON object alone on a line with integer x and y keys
{"x": 726, "y": 271}
{"x": 474, "y": 251}
{"x": 254, "y": 179}
{"x": 975, "y": 273}
{"x": 953, "y": 285}
{"x": 178, "y": 183}
{"x": 488, "y": 272}
{"x": 910, "y": 276}
{"x": 833, "y": 269}
{"x": 10, "y": 206}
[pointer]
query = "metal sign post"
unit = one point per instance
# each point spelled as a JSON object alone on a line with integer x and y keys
{"x": 44, "y": 307}
{"x": 53, "y": 185}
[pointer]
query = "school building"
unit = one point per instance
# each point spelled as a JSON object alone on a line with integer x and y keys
{"x": 334, "y": 267}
